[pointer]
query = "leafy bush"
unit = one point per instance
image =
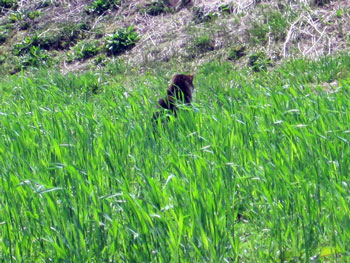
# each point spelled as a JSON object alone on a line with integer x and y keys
{"x": 36, "y": 58}
{"x": 100, "y": 6}
{"x": 122, "y": 40}
{"x": 24, "y": 46}
{"x": 85, "y": 50}
{"x": 259, "y": 61}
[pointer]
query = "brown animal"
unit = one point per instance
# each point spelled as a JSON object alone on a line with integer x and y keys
{"x": 180, "y": 91}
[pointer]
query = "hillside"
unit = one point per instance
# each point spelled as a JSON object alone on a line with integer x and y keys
{"x": 82, "y": 35}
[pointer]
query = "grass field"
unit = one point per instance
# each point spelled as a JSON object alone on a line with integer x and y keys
{"x": 84, "y": 178}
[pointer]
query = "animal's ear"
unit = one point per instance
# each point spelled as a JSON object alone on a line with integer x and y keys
{"x": 191, "y": 76}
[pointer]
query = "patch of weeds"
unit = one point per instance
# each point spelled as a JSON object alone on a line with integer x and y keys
{"x": 258, "y": 32}
{"x": 98, "y": 7}
{"x": 115, "y": 67}
{"x": 272, "y": 23}
{"x": 5, "y": 32}
{"x": 277, "y": 23}
{"x": 46, "y": 3}
{"x": 99, "y": 32}
{"x": 339, "y": 13}
{"x": 236, "y": 52}
{"x": 155, "y": 8}
{"x": 24, "y": 18}
{"x": 84, "y": 50}
{"x": 100, "y": 60}
{"x": 15, "y": 17}
{"x": 24, "y": 46}
{"x": 259, "y": 61}
{"x": 67, "y": 35}
{"x": 9, "y": 4}
{"x": 122, "y": 40}
{"x": 199, "y": 16}
{"x": 202, "y": 44}
{"x": 2, "y": 59}
{"x": 36, "y": 57}
{"x": 22, "y": 15}
{"x": 226, "y": 9}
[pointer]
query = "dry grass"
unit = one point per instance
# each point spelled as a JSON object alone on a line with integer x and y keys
{"x": 312, "y": 31}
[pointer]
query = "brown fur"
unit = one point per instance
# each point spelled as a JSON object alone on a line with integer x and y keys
{"x": 180, "y": 91}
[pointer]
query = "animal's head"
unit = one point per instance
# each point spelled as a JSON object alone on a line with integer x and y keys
{"x": 184, "y": 81}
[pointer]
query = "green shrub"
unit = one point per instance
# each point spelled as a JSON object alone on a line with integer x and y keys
{"x": 36, "y": 58}
{"x": 100, "y": 6}
{"x": 84, "y": 50}
{"x": 259, "y": 61}
{"x": 33, "y": 14}
{"x": 122, "y": 40}
{"x": 202, "y": 44}
{"x": 24, "y": 46}
{"x": 16, "y": 16}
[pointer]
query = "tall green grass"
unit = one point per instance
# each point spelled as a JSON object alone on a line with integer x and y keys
{"x": 256, "y": 171}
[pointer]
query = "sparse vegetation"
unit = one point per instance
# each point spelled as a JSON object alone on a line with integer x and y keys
{"x": 271, "y": 23}
{"x": 259, "y": 61}
{"x": 200, "y": 44}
